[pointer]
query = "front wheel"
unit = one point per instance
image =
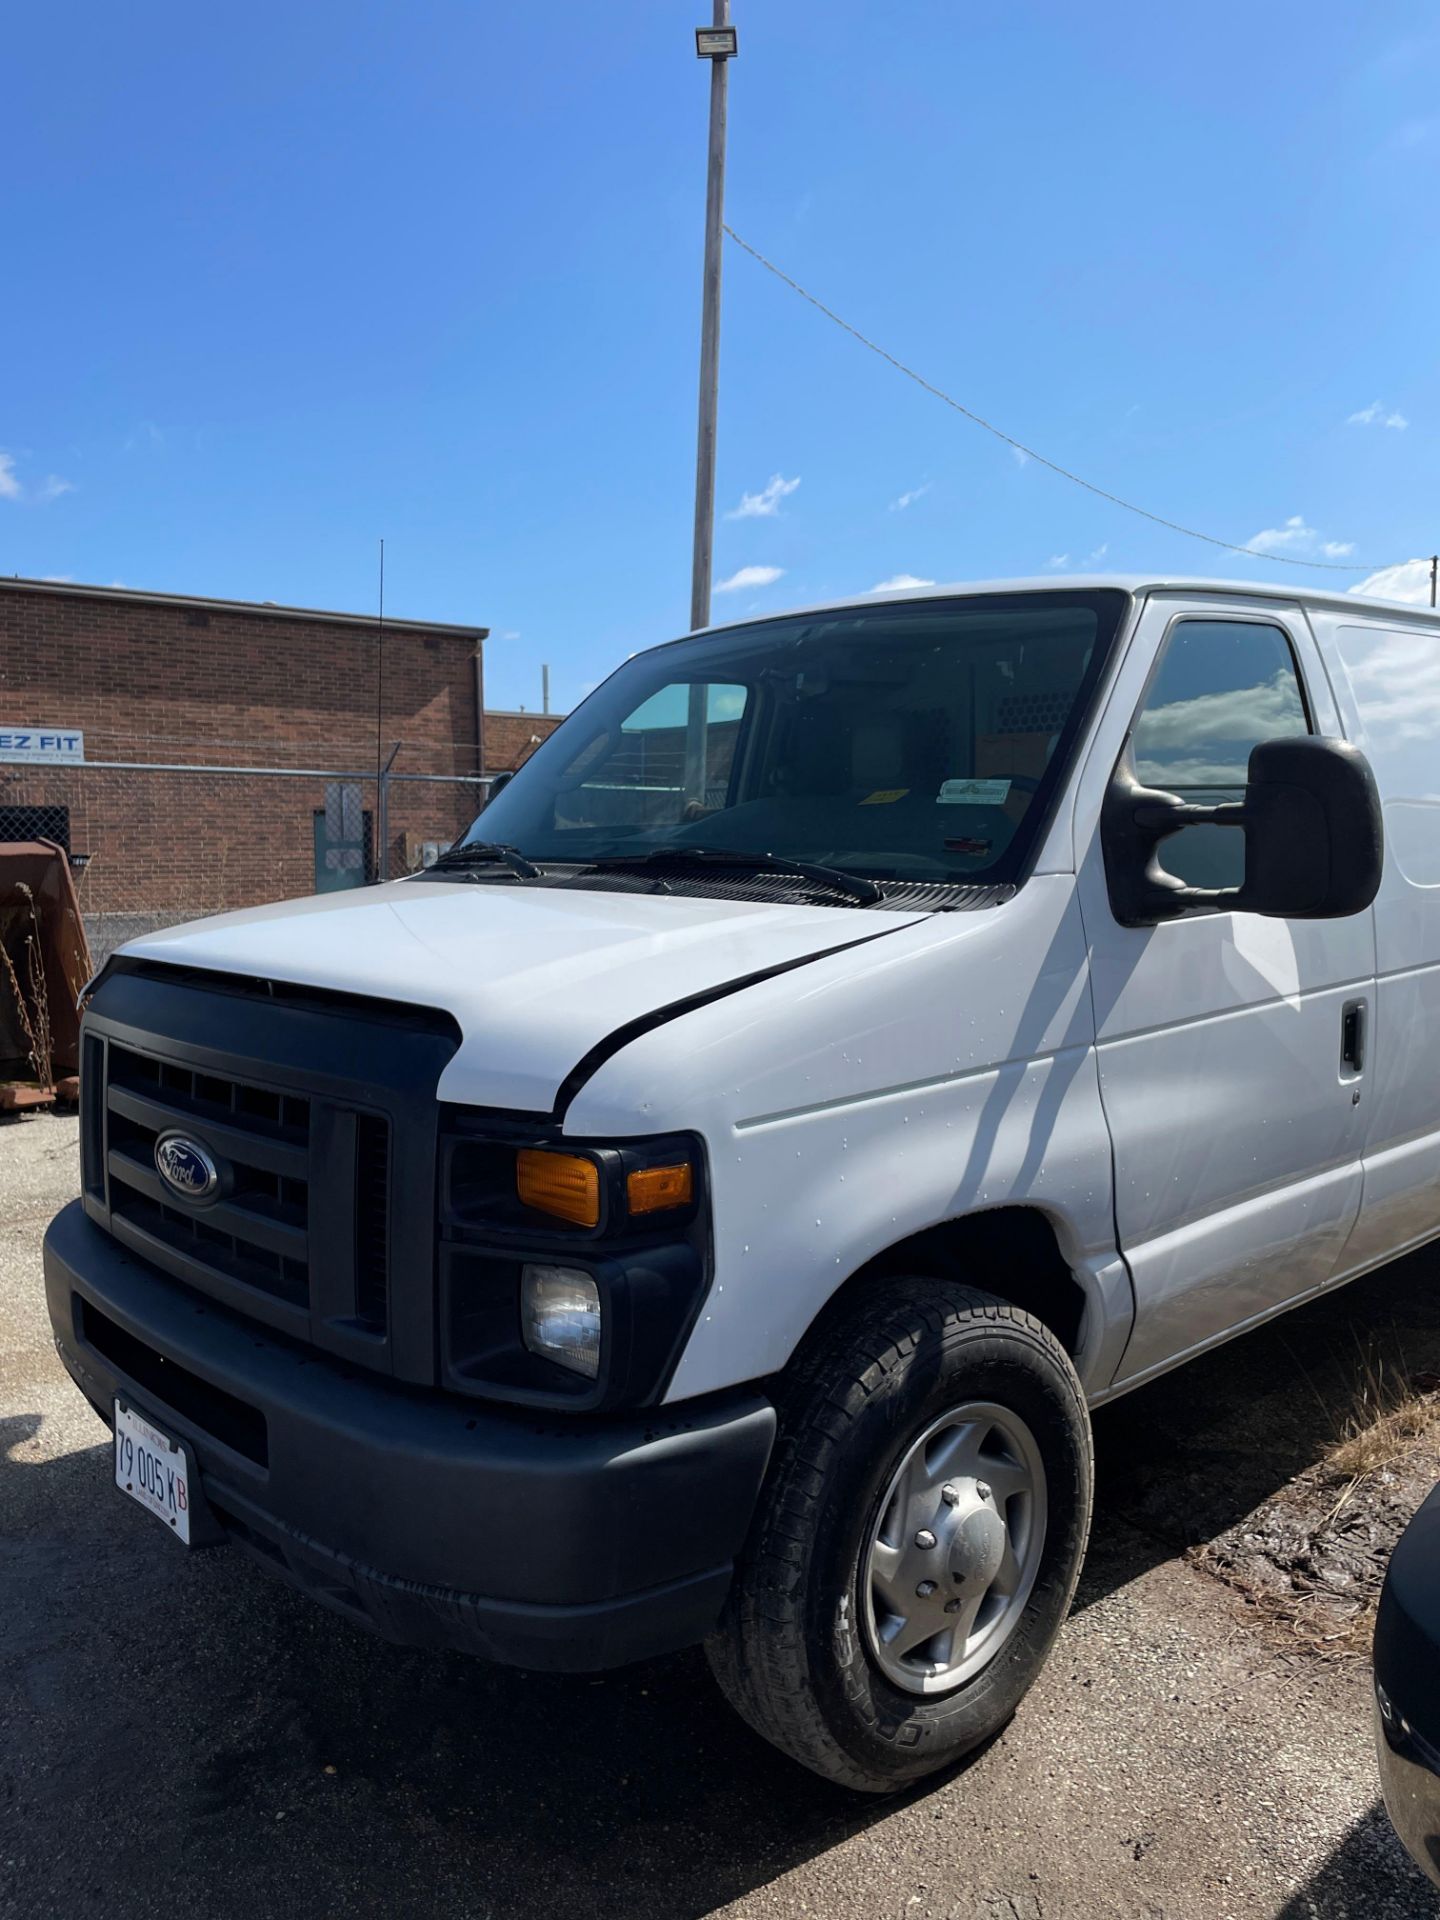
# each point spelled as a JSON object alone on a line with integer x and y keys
{"x": 919, "y": 1539}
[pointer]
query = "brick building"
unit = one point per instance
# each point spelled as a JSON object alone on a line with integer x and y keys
{"x": 196, "y": 755}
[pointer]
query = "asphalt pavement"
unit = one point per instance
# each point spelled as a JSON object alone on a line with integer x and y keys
{"x": 181, "y": 1735}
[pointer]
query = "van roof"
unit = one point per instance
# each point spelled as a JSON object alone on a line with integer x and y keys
{"x": 1132, "y": 583}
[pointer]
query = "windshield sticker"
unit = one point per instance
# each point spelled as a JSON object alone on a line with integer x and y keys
{"x": 884, "y": 797}
{"x": 979, "y": 849}
{"x": 973, "y": 793}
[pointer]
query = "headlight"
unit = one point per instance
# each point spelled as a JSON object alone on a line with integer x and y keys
{"x": 570, "y": 1270}
{"x": 560, "y": 1317}
{"x": 598, "y": 1192}
{"x": 566, "y": 1185}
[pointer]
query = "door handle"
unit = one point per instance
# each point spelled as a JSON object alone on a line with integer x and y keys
{"x": 1352, "y": 1036}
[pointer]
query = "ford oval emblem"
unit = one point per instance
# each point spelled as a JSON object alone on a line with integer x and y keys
{"x": 186, "y": 1167}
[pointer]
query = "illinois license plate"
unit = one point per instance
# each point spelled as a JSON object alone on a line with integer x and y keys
{"x": 152, "y": 1468}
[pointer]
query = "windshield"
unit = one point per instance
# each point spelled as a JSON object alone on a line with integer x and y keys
{"x": 918, "y": 741}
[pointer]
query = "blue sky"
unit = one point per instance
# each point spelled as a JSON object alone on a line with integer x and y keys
{"x": 281, "y": 280}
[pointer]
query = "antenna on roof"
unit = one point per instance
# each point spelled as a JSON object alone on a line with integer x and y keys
{"x": 1434, "y": 573}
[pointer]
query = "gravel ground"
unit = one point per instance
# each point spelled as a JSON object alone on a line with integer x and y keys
{"x": 179, "y": 1734}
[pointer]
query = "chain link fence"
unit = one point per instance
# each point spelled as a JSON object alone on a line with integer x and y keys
{"x": 168, "y": 831}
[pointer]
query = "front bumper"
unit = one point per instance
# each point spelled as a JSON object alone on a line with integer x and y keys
{"x": 567, "y": 1544}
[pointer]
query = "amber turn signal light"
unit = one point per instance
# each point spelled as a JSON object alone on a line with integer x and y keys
{"x": 653, "y": 1189}
{"x": 562, "y": 1184}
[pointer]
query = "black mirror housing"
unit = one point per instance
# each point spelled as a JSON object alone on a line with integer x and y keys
{"x": 1314, "y": 834}
{"x": 1314, "y": 838}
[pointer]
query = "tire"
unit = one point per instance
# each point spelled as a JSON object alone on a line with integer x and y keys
{"x": 801, "y": 1651}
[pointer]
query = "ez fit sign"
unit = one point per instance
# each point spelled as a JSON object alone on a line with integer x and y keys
{"x": 42, "y": 746}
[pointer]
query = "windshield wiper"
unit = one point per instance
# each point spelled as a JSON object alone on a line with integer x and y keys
{"x": 864, "y": 892}
{"x": 487, "y": 853}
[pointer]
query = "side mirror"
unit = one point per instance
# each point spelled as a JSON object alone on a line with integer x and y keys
{"x": 1314, "y": 839}
{"x": 500, "y": 780}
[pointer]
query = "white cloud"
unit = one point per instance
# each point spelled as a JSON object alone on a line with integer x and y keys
{"x": 1409, "y": 581}
{"x": 1298, "y": 539}
{"x": 1058, "y": 560}
{"x": 510, "y": 633}
{"x": 1294, "y": 533}
{"x": 749, "y": 577}
{"x": 909, "y": 499}
{"x": 1094, "y": 558}
{"x": 12, "y": 488}
{"x": 765, "y": 504}
{"x": 57, "y": 579}
{"x": 1378, "y": 414}
{"x": 1020, "y": 457}
{"x": 898, "y": 582}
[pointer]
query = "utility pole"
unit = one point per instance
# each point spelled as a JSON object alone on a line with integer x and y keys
{"x": 382, "y": 765}
{"x": 717, "y": 44}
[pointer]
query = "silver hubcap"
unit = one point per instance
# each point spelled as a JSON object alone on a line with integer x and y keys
{"x": 953, "y": 1554}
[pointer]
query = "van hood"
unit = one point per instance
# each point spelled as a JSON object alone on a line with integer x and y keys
{"x": 536, "y": 978}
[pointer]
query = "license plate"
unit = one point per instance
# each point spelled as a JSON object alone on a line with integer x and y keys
{"x": 151, "y": 1468}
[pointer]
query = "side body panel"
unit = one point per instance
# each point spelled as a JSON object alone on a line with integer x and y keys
{"x": 1237, "y": 1138}
{"x": 873, "y": 1094}
{"x": 1386, "y": 675}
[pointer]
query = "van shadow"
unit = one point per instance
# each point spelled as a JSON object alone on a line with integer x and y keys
{"x": 188, "y": 1735}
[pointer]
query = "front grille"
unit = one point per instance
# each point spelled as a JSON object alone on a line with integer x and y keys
{"x": 372, "y": 1220}
{"x": 256, "y": 1232}
{"x": 319, "y": 1111}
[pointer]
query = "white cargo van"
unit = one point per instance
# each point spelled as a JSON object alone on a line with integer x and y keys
{"x": 702, "y": 1207}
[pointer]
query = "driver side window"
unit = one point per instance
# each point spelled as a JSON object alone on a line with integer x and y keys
{"x": 1221, "y": 687}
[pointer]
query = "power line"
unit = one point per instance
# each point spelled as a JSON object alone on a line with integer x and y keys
{"x": 1191, "y": 533}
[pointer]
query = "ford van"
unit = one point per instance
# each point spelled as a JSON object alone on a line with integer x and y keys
{"x": 707, "y": 1204}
